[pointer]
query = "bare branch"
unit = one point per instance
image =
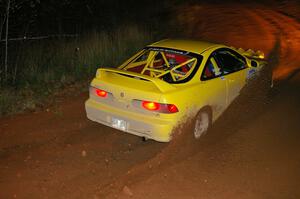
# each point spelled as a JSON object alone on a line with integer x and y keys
{"x": 6, "y": 37}
{"x": 40, "y": 37}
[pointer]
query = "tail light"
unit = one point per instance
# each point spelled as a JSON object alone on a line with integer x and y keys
{"x": 151, "y": 106}
{"x": 155, "y": 106}
{"x": 100, "y": 93}
{"x": 172, "y": 108}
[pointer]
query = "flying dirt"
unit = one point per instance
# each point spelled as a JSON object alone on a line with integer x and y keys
{"x": 252, "y": 151}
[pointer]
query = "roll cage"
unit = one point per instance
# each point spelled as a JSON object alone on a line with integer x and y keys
{"x": 170, "y": 65}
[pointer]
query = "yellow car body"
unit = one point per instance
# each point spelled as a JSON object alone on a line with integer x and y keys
{"x": 150, "y": 94}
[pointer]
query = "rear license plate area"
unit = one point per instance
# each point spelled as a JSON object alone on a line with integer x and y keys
{"x": 119, "y": 124}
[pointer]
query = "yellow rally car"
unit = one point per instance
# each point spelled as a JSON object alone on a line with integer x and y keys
{"x": 169, "y": 82}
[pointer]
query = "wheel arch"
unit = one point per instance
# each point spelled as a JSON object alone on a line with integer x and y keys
{"x": 208, "y": 109}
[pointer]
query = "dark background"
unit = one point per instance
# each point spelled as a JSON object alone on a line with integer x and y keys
{"x": 36, "y": 18}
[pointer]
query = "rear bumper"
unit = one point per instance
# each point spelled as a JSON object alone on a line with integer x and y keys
{"x": 152, "y": 127}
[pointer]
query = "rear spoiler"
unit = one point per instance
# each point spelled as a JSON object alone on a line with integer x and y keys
{"x": 251, "y": 53}
{"x": 160, "y": 84}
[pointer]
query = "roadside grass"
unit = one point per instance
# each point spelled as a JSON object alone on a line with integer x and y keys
{"x": 52, "y": 66}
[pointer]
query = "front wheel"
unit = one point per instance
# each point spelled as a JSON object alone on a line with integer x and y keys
{"x": 202, "y": 123}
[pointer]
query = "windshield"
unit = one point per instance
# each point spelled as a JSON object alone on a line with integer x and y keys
{"x": 170, "y": 65}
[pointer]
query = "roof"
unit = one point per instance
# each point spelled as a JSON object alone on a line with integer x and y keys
{"x": 185, "y": 45}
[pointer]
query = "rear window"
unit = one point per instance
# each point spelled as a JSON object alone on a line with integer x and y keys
{"x": 172, "y": 66}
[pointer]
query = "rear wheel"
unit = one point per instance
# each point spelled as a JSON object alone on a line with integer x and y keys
{"x": 202, "y": 123}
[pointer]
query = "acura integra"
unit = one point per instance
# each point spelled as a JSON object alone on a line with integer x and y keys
{"x": 169, "y": 82}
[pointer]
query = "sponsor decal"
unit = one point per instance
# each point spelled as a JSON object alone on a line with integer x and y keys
{"x": 168, "y": 50}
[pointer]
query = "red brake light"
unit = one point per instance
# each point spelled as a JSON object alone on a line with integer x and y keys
{"x": 101, "y": 93}
{"x": 152, "y": 106}
{"x": 172, "y": 108}
{"x": 158, "y": 107}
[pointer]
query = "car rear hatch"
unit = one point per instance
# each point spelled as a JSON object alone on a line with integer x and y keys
{"x": 124, "y": 88}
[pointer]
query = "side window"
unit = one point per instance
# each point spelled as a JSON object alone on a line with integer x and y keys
{"x": 211, "y": 70}
{"x": 229, "y": 61}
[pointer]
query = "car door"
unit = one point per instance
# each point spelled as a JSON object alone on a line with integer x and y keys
{"x": 215, "y": 87}
{"x": 234, "y": 68}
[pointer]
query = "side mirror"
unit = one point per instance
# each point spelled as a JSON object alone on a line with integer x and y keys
{"x": 254, "y": 63}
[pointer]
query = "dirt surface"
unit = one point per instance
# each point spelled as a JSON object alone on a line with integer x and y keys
{"x": 252, "y": 151}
